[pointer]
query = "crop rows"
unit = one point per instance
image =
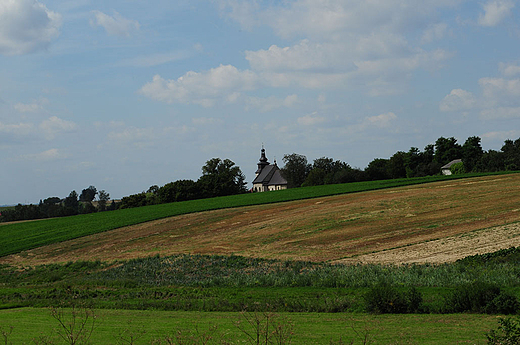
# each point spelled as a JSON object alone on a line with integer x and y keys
{"x": 17, "y": 237}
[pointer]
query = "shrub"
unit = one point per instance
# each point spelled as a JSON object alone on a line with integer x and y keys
{"x": 504, "y": 303}
{"x": 457, "y": 169}
{"x": 385, "y": 299}
{"x": 481, "y": 297}
{"x": 508, "y": 332}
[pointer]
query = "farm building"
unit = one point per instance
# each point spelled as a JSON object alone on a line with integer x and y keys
{"x": 268, "y": 176}
{"x": 446, "y": 169}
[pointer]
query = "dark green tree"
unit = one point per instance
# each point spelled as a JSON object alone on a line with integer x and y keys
{"x": 396, "y": 165}
{"x": 221, "y": 177}
{"x": 471, "y": 153}
{"x": 377, "y": 170}
{"x": 492, "y": 161}
{"x": 511, "y": 151}
{"x": 179, "y": 190}
{"x": 446, "y": 150}
{"x": 88, "y": 194}
{"x": 71, "y": 204}
{"x": 295, "y": 170}
{"x": 103, "y": 199}
{"x": 315, "y": 178}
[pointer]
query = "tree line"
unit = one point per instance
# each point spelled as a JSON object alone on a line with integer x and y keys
{"x": 57, "y": 207}
{"x": 219, "y": 178}
{"x": 223, "y": 177}
{"x": 414, "y": 163}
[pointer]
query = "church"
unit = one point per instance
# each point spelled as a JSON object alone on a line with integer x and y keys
{"x": 268, "y": 176}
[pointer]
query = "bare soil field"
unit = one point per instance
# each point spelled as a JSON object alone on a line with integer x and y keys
{"x": 434, "y": 223}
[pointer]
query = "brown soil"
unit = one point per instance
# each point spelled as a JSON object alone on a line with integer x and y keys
{"x": 435, "y": 223}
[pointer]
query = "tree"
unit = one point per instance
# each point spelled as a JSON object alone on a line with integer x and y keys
{"x": 71, "y": 204}
{"x": 396, "y": 165}
{"x": 295, "y": 170}
{"x": 179, "y": 190}
{"x": 377, "y": 169}
{"x": 221, "y": 177}
{"x": 471, "y": 153}
{"x": 316, "y": 177}
{"x": 511, "y": 150}
{"x": 446, "y": 150}
{"x": 103, "y": 198}
{"x": 88, "y": 194}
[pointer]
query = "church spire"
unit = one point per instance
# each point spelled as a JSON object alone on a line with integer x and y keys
{"x": 263, "y": 161}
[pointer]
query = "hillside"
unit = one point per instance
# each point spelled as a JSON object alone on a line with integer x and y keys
{"x": 436, "y": 222}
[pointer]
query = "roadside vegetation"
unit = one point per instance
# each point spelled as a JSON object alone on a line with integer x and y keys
{"x": 481, "y": 284}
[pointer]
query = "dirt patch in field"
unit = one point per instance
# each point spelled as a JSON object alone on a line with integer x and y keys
{"x": 437, "y": 222}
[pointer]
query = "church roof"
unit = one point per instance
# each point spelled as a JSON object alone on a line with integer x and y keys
{"x": 270, "y": 175}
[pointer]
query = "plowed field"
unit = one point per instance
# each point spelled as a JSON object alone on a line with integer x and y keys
{"x": 436, "y": 222}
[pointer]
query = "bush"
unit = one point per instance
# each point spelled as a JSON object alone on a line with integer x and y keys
{"x": 504, "y": 303}
{"x": 481, "y": 297}
{"x": 508, "y": 333}
{"x": 385, "y": 299}
{"x": 457, "y": 169}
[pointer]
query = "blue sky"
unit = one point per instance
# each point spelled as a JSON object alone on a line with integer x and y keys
{"x": 123, "y": 95}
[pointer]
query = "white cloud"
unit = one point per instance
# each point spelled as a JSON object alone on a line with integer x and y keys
{"x": 304, "y": 56}
{"x": 205, "y": 121}
{"x": 27, "y": 108}
{"x": 383, "y": 120}
{"x": 270, "y": 103}
{"x": 500, "y": 89}
{"x": 334, "y": 18}
{"x": 501, "y": 113}
{"x": 132, "y": 134}
{"x": 202, "y": 88}
{"x": 155, "y": 59}
{"x": 509, "y": 70}
{"x": 54, "y": 125}
{"x": 115, "y": 25}
{"x": 434, "y": 32}
{"x": 17, "y": 129}
{"x": 311, "y": 119}
{"x": 31, "y": 107}
{"x": 495, "y": 11}
{"x": 49, "y": 155}
{"x": 501, "y": 135}
{"x": 348, "y": 43}
{"x": 457, "y": 100}
{"x": 26, "y": 26}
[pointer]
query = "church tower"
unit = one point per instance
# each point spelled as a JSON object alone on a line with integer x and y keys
{"x": 263, "y": 161}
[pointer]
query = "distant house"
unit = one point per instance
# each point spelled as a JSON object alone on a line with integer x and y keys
{"x": 268, "y": 176}
{"x": 446, "y": 169}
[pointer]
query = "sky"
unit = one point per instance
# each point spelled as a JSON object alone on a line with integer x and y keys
{"x": 126, "y": 94}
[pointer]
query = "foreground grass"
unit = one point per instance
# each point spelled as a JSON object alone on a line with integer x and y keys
{"x": 17, "y": 237}
{"x": 308, "y": 328}
{"x": 233, "y": 283}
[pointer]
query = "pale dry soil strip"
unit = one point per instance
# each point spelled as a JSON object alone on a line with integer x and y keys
{"x": 447, "y": 249}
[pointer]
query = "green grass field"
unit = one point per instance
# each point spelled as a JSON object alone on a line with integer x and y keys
{"x": 307, "y": 328}
{"x": 17, "y": 237}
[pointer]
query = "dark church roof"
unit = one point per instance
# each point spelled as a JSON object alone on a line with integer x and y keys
{"x": 270, "y": 175}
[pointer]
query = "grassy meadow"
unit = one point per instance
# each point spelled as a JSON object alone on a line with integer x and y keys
{"x": 118, "y": 326}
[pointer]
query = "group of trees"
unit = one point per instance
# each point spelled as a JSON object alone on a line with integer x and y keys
{"x": 223, "y": 177}
{"x": 414, "y": 163}
{"x": 57, "y": 207}
{"x": 219, "y": 178}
